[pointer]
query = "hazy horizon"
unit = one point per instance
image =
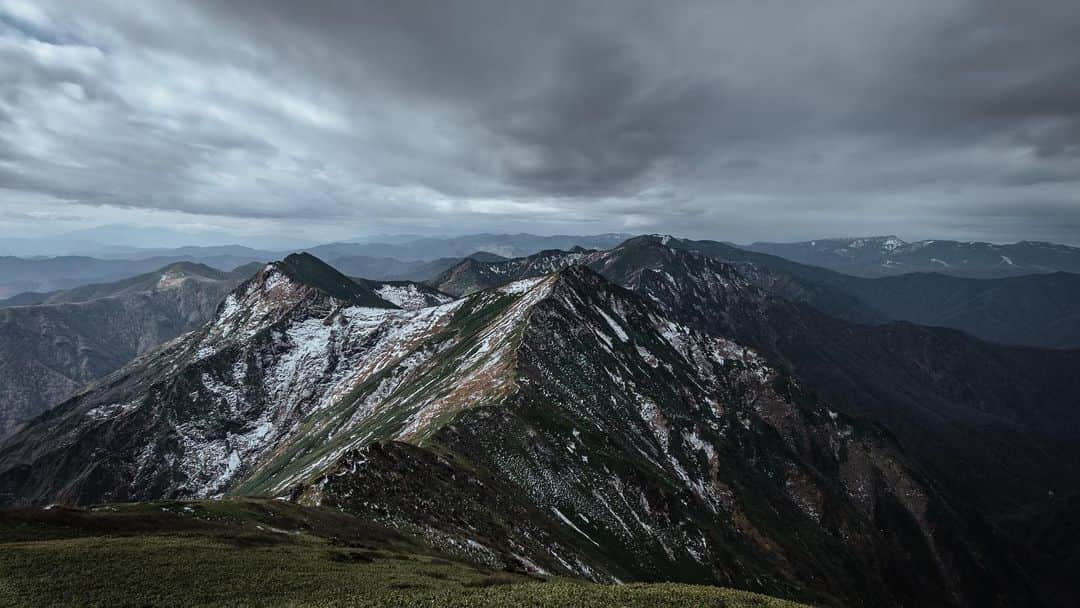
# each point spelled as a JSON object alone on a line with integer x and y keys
{"x": 118, "y": 238}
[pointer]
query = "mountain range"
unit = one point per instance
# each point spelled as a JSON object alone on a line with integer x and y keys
{"x": 662, "y": 409}
{"x": 421, "y": 258}
{"x": 504, "y": 245}
{"x": 412, "y": 259}
{"x": 1032, "y": 310}
{"x": 889, "y": 255}
{"x": 560, "y": 424}
{"x": 874, "y": 368}
{"x": 996, "y": 424}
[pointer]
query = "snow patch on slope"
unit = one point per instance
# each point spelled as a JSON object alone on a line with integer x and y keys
{"x": 410, "y": 296}
{"x": 520, "y": 287}
{"x": 615, "y": 327}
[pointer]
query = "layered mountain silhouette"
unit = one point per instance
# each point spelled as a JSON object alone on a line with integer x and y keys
{"x": 889, "y": 255}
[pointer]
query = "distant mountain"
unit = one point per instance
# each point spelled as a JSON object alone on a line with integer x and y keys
{"x": 64, "y": 339}
{"x": 128, "y": 241}
{"x": 187, "y": 252}
{"x": 559, "y": 424}
{"x": 487, "y": 256}
{"x": 135, "y": 285}
{"x": 1034, "y": 310}
{"x": 688, "y": 413}
{"x": 399, "y": 250}
{"x": 416, "y": 259}
{"x": 888, "y": 255}
{"x": 43, "y": 275}
{"x": 49, "y": 274}
{"x": 394, "y": 269}
{"x": 115, "y": 239}
{"x": 505, "y": 245}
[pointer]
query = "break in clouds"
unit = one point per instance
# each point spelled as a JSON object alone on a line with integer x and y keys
{"x": 734, "y": 120}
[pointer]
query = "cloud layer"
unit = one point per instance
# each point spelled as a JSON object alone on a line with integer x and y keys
{"x": 737, "y": 120}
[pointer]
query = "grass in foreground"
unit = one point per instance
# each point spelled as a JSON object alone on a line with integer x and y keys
{"x": 266, "y": 553}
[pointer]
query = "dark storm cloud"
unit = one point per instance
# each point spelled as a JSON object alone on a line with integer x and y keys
{"x": 736, "y": 119}
{"x": 602, "y": 124}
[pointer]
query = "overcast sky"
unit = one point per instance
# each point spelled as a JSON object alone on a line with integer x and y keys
{"x": 738, "y": 120}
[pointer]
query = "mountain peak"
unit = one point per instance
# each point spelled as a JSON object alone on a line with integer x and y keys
{"x": 299, "y": 286}
{"x": 308, "y": 270}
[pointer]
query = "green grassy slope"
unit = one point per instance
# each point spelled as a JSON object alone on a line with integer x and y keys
{"x": 272, "y": 553}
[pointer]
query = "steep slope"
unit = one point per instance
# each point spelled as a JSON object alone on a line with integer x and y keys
{"x": 49, "y": 350}
{"x": 999, "y": 424}
{"x": 558, "y": 423}
{"x": 632, "y": 447}
{"x": 888, "y": 255}
{"x": 818, "y": 287}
